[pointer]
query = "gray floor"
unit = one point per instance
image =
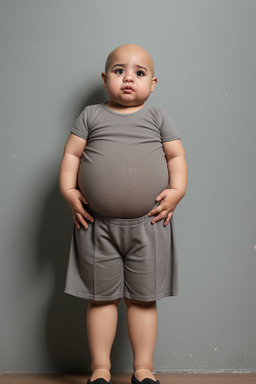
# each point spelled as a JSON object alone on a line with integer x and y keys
{"x": 125, "y": 379}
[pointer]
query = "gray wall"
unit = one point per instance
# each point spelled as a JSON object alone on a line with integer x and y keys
{"x": 52, "y": 54}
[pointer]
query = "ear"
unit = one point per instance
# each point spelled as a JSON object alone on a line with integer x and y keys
{"x": 153, "y": 85}
{"x": 104, "y": 78}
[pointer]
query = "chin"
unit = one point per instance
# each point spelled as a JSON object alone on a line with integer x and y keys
{"x": 131, "y": 103}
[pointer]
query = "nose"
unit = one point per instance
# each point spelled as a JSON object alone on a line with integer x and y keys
{"x": 128, "y": 77}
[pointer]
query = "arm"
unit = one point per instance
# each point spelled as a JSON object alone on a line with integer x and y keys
{"x": 177, "y": 168}
{"x": 68, "y": 179}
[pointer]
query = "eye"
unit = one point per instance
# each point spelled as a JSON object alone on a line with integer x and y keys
{"x": 119, "y": 71}
{"x": 140, "y": 73}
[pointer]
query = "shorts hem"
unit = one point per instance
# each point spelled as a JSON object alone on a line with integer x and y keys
{"x": 149, "y": 298}
{"x": 124, "y": 295}
{"x": 92, "y": 297}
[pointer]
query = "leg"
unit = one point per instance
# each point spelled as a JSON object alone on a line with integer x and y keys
{"x": 142, "y": 330}
{"x": 101, "y": 329}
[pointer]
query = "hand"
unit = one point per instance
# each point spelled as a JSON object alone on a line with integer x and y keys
{"x": 168, "y": 199}
{"x": 75, "y": 200}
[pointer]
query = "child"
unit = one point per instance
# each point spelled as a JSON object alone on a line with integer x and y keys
{"x": 123, "y": 173}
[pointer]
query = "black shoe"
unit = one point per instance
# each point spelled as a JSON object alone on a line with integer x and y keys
{"x": 99, "y": 381}
{"x": 144, "y": 381}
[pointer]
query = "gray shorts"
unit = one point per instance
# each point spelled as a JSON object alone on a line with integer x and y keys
{"x": 117, "y": 258}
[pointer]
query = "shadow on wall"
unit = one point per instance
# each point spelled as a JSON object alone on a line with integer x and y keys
{"x": 65, "y": 326}
{"x": 65, "y": 333}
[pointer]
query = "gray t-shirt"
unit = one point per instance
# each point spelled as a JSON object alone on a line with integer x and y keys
{"x": 123, "y": 167}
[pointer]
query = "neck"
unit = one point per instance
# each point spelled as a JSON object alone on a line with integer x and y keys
{"x": 122, "y": 109}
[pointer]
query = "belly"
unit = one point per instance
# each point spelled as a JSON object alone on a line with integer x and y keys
{"x": 126, "y": 187}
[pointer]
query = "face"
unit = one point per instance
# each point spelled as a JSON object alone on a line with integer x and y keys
{"x": 129, "y": 76}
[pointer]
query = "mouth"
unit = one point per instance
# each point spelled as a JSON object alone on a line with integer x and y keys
{"x": 128, "y": 89}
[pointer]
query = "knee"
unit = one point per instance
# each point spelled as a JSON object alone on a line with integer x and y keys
{"x": 145, "y": 304}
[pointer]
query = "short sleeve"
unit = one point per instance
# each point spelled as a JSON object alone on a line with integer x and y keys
{"x": 80, "y": 127}
{"x": 167, "y": 128}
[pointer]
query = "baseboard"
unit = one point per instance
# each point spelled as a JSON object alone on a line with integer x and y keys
{"x": 205, "y": 371}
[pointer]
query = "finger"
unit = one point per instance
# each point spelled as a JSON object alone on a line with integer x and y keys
{"x": 159, "y": 217}
{"x": 83, "y": 199}
{"x": 161, "y": 196}
{"x": 85, "y": 214}
{"x": 82, "y": 221}
{"x": 168, "y": 218}
{"x": 76, "y": 222}
{"x": 161, "y": 207}
{"x": 153, "y": 212}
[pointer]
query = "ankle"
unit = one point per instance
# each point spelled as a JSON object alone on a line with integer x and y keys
{"x": 101, "y": 373}
{"x": 144, "y": 373}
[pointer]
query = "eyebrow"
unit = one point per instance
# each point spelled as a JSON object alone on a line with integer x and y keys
{"x": 124, "y": 65}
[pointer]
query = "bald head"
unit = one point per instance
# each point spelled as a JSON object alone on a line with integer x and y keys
{"x": 124, "y": 52}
